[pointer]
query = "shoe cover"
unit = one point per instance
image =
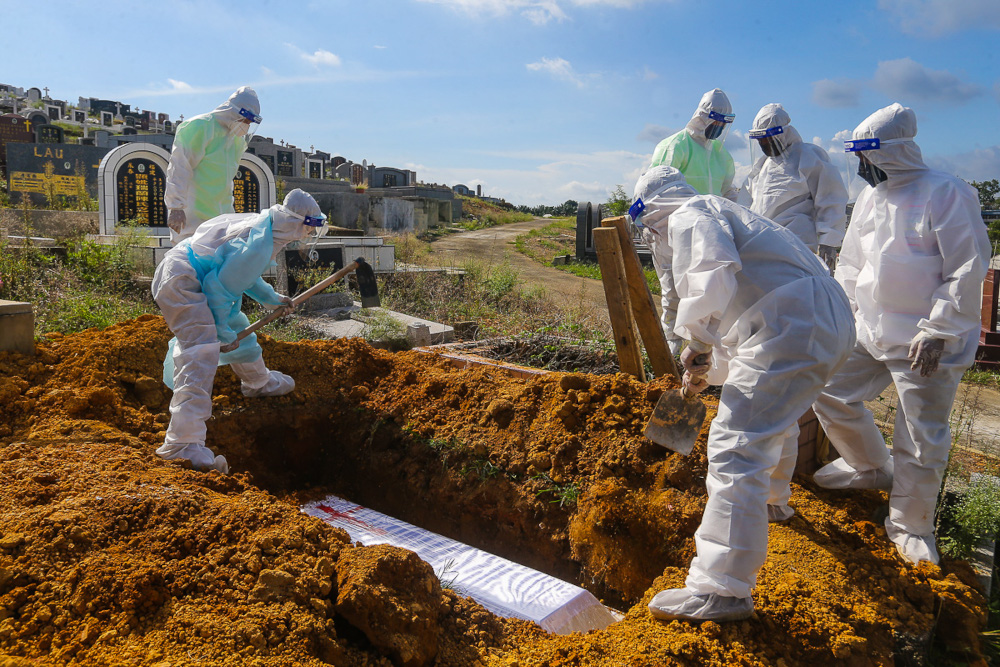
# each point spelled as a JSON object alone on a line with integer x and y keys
{"x": 200, "y": 456}
{"x": 913, "y": 548}
{"x": 779, "y": 513}
{"x": 683, "y": 604}
{"x": 840, "y": 475}
{"x": 278, "y": 384}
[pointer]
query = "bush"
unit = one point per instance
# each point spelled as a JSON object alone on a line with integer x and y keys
{"x": 972, "y": 519}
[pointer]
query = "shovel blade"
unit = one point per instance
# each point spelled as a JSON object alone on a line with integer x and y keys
{"x": 367, "y": 284}
{"x": 676, "y": 422}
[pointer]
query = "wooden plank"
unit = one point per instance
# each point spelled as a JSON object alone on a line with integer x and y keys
{"x": 609, "y": 256}
{"x": 643, "y": 307}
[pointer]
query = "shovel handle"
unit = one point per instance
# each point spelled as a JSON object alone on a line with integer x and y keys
{"x": 298, "y": 300}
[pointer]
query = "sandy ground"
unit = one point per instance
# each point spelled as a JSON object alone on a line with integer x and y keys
{"x": 496, "y": 245}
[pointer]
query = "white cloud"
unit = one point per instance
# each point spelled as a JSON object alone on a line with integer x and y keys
{"x": 981, "y": 164}
{"x": 538, "y": 12}
{"x": 549, "y": 177}
{"x": 175, "y": 87}
{"x": 380, "y": 47}
{"x": 907, "y": 80}
{"x": 179, "y": 86}
{"x": 558, "y": 68}
{"x": 648, "y": 74}
{"x": 835, "y": 94}
{"x": 934, "y": 18}
{"x": 322, "y": 58}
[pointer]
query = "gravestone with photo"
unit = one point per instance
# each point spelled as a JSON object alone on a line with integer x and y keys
{"x": 107, "y": 118}
{"x": 79, "y": 116}
{"x": 53, "y": 112}
{"x": 285, "y": 163}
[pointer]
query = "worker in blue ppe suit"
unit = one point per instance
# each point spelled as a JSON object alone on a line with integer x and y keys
{"x": 763, "y": 318}
{"x": 912, "y": 264}
{"x": 199, "y": 287}
{"x": 698, "y": 152}
{"x": 204, "y": 161}
{"x": 794, "y": 184}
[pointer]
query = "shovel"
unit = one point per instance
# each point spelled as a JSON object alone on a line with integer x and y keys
{"x": 366, "y": 285}
{"x": 677, "y": 418}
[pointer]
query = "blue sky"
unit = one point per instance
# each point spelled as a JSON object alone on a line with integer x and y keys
{"x": 539, "y": 101}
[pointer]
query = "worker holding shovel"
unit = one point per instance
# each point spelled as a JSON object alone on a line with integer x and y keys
{"x": 776, "y": 326}
{"x": 199, "y": 286}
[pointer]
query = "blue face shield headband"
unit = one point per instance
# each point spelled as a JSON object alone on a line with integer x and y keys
{"x": 722, "y": 117}
{"x": 250, "y": 115}
{"x": 855, "y": 145}
{"x": 314, "y": 221}
{"x": 770, "y": 132}
{"x": 635, "y": 210}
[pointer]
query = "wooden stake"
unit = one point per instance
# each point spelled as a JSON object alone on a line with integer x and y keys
{"x": 609, "y": 256}
{"x": 643, "y": 307}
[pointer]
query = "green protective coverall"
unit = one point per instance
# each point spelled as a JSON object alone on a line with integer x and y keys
{"x": 204, "y": 160}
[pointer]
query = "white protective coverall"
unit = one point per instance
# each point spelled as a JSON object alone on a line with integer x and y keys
{"x": 204, "y": 160}
{"x": 199, "y": 287}
{"x": 778, "y": 326}
{"x": 912, "y": 264}
{"x": 706, "y": 164}
{"x": 657, "y": 188}
{"x": 799, "y": 188}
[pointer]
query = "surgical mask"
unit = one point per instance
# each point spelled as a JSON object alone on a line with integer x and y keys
{"x": 719, "y": 125}
{"x": 871, "y": 174}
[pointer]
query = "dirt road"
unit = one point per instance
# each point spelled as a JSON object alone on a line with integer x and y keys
{"x": 495, "y": 246}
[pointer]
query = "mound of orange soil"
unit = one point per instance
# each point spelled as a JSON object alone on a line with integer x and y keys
{"x": 109, "y": 555}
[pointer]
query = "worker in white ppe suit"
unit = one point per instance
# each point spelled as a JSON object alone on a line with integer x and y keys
{"x": 204, "y": 160}
{"x": 912, "y": 264}
{"x": 794, "y": 184}
{"x": 199, "y": 287}
{"x": 698, "y": 150}
{"x": 776, "y": 326}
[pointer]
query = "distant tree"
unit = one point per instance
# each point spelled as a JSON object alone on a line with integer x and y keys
{"x": 989, "y": 193}
{"x": 618, "y": 202}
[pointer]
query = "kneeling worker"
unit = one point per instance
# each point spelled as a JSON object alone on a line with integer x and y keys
{"x": 777, "y": 326}
{"x": 199, "y": 286}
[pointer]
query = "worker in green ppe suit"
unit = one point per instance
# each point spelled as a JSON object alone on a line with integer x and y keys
{"x": 204, "y": 160}
{"x": 697, "y": 151}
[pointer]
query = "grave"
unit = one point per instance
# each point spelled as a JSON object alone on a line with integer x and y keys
{"x": 53, "y": 112}
{"x": 79, "y": 116}
{"x": 17, "y": 327}
{"x": 72, "y": 167}
{"x": 48, "y": 134}
{"x": 107, "y": 118}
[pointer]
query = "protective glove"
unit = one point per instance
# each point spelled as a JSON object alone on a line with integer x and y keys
{"x": 286, "y": 307}
{"x": 176, "y": 219}
{"x": 693, "y": 384}
{"x": 697, "y": 363}
{"x": 925, "y": 350}
{"x": 828, "y": 254}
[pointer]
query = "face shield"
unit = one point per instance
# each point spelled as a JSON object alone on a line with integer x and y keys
{"x": 248, "y": 125}
{"x": 320, "y": 226}
{"x": 766, "y": 143}
{"x": 866, "y": 170}
{"x": 718, "y": 126}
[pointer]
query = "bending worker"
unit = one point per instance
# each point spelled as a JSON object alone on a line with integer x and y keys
{"x": 204, "y": 161}
{"x": 794, "y": 184}
{"x": 698, "y": 153}
{"x": 199, "y": 286}
{"x": 777, "y": 326}
{"x": 913, "y": 265}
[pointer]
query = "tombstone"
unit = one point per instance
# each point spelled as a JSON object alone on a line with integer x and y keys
{"x": 315, "y": 168}
{"x": 34, "y": 95}
{"x": 48, "y": 134}
{"x": 43, "y": 169}
{"x": 163, "y": 118}
{"x": 129, "y": 132}
{"x": 357, "y": 174}
{"x": 131, "y": 179}
{"x": 254, "y": 186}
{"x": 37, "y": 118}
{"x": 337, "y": 161}
{"x": 13, "y": 129}
{"x": 285, "y": 162}
{"x": 79, "y": 116}
{"x": 144, "y": 124}
{"x": 53, "y": 112}
{"x": 269, "y": 161}
{"x": 130, "y": 121}
{"x": 168, "y": 127}
{"x": 107, "y": 118}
